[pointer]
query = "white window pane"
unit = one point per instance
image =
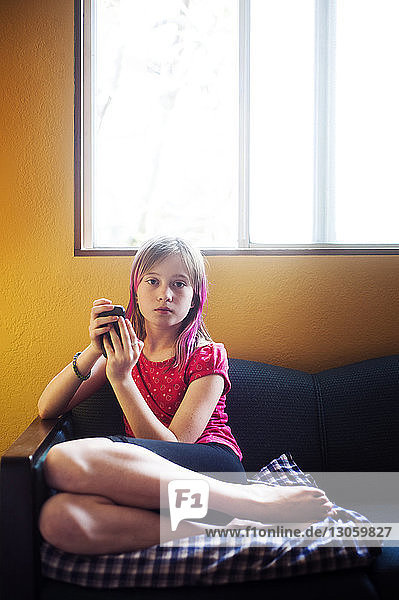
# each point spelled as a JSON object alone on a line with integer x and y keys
{"x": 367, "y": 121}
{"x": 281, "y": 133}
{"x": 165, "y": 121}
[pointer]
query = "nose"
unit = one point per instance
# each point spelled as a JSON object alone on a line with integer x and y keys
{"x": 165, "y": 294}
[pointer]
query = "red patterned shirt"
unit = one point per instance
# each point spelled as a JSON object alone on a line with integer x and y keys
{"x": 163, "y": 387}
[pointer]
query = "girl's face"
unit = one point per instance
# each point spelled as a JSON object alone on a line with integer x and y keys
{"x": 165, "y": 294}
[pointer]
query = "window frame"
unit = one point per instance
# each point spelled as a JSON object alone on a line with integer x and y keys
{"x": 325, "y": 16}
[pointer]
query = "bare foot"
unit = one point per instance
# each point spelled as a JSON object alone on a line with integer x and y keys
{"x": 284, "y": 504}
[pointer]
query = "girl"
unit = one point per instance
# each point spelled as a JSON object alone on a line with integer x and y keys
{"x": 171, "y": 381}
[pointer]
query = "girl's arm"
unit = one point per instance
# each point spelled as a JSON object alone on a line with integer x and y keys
{"x": 193, "y": 413}
{"x": 196, "y": 408}
{"x": 66, "y": 390}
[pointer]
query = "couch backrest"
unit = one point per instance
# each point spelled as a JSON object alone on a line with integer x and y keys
{"x": 272, "y": 410}
{"x": 342, "y": 419}
{"x": 360, "y": 404}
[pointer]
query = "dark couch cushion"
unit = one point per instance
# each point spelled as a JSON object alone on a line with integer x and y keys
{"x": 98, "y": 415}
{"x": 360, "y": 404}
{"x": 273, "y": 410}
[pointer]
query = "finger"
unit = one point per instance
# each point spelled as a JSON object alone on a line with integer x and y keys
{"x": 98, "y": 331}
{"x": 131, "y": 331}
{"x": 99, "y": 308}
{"x": 134, "y": 340}
{"x": 327, "y": 507}
{"x": 115, "y": 339}
{"x": 107, "y": 345}
{"x": 137, "y": 344}
{"x": 101, "y": 301}
{"x": 101, "y": 321}
{"x": 318, "y": 493}
{"x": 124, "y": 332}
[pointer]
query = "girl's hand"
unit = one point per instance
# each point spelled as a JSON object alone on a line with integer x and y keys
{"x": 125, "y": 354}
{"x": 95, "y": 328}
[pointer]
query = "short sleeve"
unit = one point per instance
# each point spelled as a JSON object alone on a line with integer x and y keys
{"x": 208, "y": 360}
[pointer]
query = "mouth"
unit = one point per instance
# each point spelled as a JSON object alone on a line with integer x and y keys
{"x": 163, "y": 310}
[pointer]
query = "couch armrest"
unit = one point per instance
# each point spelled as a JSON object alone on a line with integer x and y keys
{"x": 22, "y": 492}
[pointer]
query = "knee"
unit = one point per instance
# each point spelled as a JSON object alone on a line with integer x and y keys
{"x": 69, "y": 463}
{"x": 61, "y": 523}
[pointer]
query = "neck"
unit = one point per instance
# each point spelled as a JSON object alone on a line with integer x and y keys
{"x": 159, "y": 340}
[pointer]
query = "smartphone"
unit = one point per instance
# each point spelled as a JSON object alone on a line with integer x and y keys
{"x": 120, "y": 312}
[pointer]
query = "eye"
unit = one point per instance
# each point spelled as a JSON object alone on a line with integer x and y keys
{"x": 151, "y": 281}
{"x": 180, "y": 284}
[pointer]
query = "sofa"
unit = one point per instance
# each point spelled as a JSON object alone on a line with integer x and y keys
{"x": 338, "y": 420}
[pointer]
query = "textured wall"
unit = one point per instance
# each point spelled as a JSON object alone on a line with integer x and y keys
{"x": 302, "y": 312}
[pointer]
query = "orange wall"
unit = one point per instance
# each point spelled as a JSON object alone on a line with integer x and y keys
{"x": 303, "y": 312}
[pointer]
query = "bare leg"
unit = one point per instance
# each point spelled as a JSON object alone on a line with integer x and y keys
{"x": 131, "y": 476}
{"x": 84, "y": 524}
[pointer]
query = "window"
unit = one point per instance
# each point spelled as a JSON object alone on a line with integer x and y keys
{"x": 248, "y": 126}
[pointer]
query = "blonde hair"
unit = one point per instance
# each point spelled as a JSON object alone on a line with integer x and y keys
{"x": 192, "y": 329}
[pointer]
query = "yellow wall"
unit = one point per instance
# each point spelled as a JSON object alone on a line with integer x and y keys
{"x": 302, "y": 312}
